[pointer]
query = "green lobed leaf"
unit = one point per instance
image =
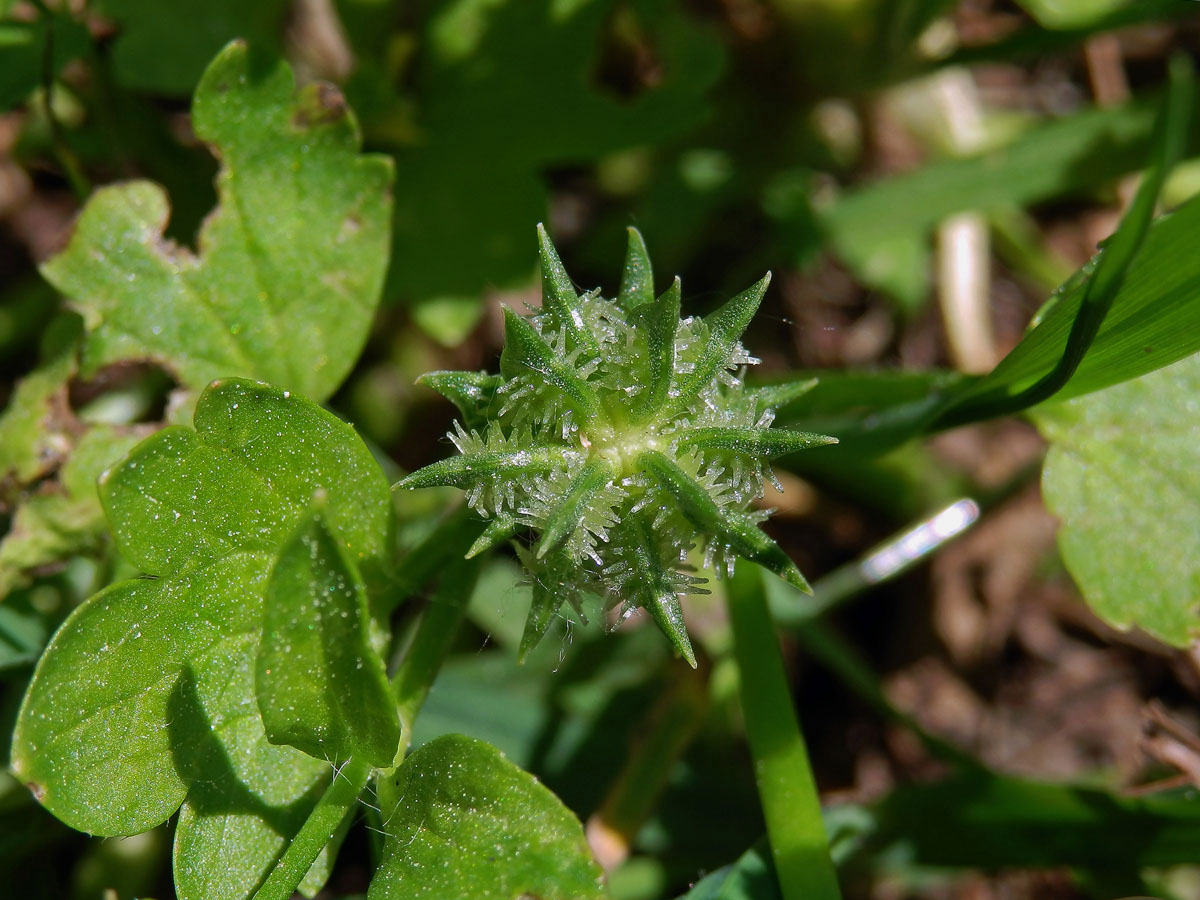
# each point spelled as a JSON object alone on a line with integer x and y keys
{"x": 1120, "y": 474}
{"x": 64, "y": 518}
{"x": 462, "y": 821}
{"x": 733, "y": 528}
{"x": 320, "y": 686}
{"x": 164, "y": 48}
{"x": 290, "y": 265}
{"x": 146, "y": 695}
{"x": 750, "y": 877}
{"x": 35, "y": 428}
{"x": 725, "y": 327}
{"x": 659, "y": 320}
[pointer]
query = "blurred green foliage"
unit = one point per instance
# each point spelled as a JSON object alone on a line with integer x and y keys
{"x": 738, "y": 136}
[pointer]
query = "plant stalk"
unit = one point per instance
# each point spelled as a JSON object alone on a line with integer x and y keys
{"x": 334, "y": 805}
{"x": 791, "y": 804}
{"x": 429, "y": 647}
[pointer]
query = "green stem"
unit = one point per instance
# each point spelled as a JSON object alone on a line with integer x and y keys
{"x": 337, "y": 801}
{"x": 791, "y": 804}
{"x": 443, "y": 549}
{"x": 432, "y": 642}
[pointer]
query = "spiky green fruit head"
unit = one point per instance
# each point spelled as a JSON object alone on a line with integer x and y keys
{"x": 617, "y": 438}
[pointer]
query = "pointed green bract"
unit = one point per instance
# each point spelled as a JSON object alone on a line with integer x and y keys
{"x": 776, "y": 396}
{"x": 462, "y": 471}
{"x": 653, "y": 589}
{"x": 725, "y": 328}
{"x": 526, "y": 352}
{"x": 637, "y": 279}
{"x": 498, "y": 530}
{"x": 319, "y": 685}
{"x": 571, "y": 511}
{"x": 560, "y": 299}
{"x": 472, "y": 392}
{"x": 608, "y": 471}
{"x": 660, "y": 323}
{"x": 544, "y": 605}
{"x": 766, "y": 443}
{"x": 733, "y": 528}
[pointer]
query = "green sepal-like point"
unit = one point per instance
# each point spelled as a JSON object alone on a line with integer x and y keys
{"x": 463, "y": 471}
{"x": 733, "y": 528}
{"x": 527, "y": 353}
{"x": 659, "y": 321}
{"x": 547, "y": 599}
{"x": 561, "y": 301}
{"x": 571, "y": 511}
{"x": 498, "y": 530}
{"x": 777, "y": 396}
{"x": 472, "y": 392}
{"x": 653, "y": 588}
{"x": 725, "y": 329}
{"x": 766, "y": 443}
{"x": 637, "y": 279}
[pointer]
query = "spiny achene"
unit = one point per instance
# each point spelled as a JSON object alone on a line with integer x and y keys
{"x": 617, "y": 438}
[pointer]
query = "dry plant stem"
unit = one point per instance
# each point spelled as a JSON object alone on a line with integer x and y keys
{"x": 964, "y": 254}
{"x": 963, "y": 273}
{"x": 791, "y": 804}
